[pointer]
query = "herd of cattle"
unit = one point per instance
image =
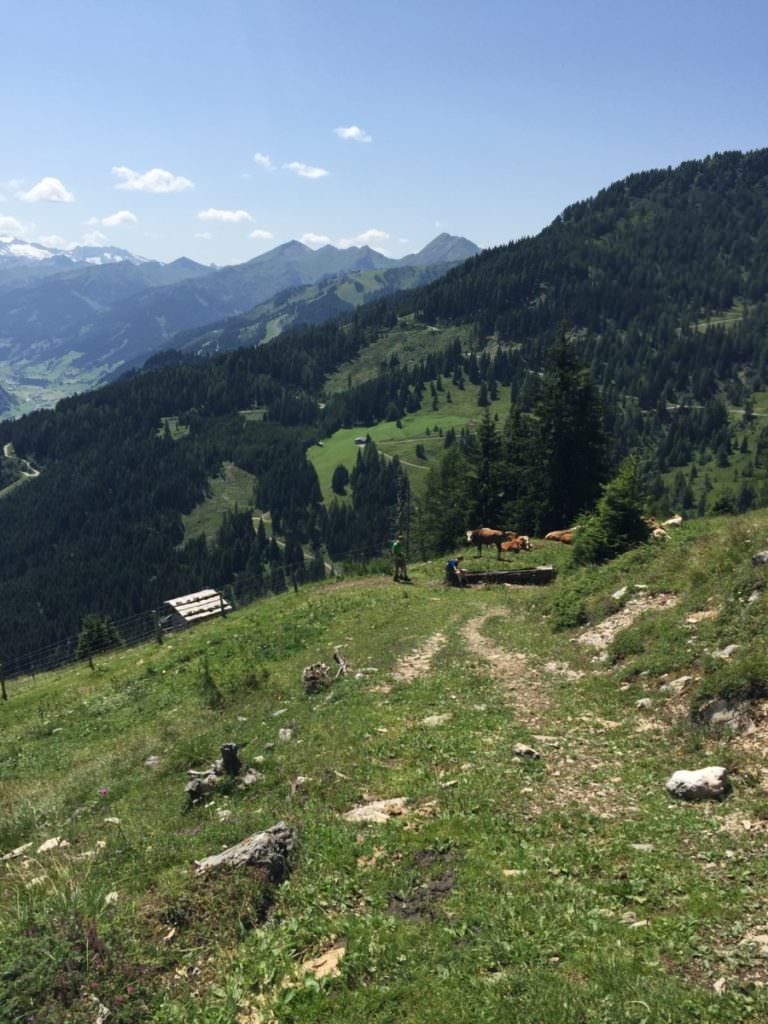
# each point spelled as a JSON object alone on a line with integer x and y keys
{"x": 505, "y": 540}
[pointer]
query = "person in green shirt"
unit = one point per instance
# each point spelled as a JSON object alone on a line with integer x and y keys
{"x": 398, "y": 556}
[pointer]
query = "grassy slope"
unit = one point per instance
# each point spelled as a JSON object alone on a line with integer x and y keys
{"x": 233, "y": 489}
{"x": 461, "y": 411}
{"x": 541, "y": 882}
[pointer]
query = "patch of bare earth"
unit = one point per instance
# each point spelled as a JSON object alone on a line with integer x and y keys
{"x": 418, "y": 663}
{"x": 582, "y": 762}
{"x": 603, "y": 634}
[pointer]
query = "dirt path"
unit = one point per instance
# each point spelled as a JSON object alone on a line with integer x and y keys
{"x": 419, "y": 661}
{"x": 576, "y": 751}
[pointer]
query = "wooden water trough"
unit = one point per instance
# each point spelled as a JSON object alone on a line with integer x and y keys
{"x": 533, "y": 577}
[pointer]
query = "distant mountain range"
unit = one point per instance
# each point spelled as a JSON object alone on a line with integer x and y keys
{"x": 73, "y": 318}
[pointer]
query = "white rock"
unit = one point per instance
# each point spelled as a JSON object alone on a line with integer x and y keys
{"x": 675, "y": 686}
{"x": 378, "y": 810}
{"x": 111, "y": 898}
{"x": 17, "y": 852}
{"x": 153, "y": 761}
{"x": 618, "y": 594}
{"x": 523, "y": 750}
{"x": 251, "y": 777}
{"x": 703, "y": 784}
{"x": 56, "y": 843}
{"x": 434, "y": 720}
{"x": 223, "y": 813}
{"x": 726, "y": 652}
{"x": 644, "y": 704}
{"x": 285, "y": 735}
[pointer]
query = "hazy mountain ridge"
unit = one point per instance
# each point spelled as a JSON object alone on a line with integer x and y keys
{"x": 110, "y": 471}
{"x": 83, "y": 321}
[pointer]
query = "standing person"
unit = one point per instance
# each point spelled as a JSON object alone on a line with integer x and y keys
{"x": 398, "y": 556}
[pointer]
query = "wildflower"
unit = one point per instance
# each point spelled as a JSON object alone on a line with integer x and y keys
{"x": 103, "y": 790}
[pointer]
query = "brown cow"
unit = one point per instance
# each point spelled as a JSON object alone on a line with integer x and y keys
{"x": 564, "y": 536}
{"x": 520, "y": 543}
{"x": 484, "y": 536}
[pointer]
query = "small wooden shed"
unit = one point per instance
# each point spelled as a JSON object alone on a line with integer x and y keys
{"x": 181, "y": 612}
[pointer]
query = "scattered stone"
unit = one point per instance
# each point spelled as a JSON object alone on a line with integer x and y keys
{"x": 644, "y": 704}
{"x": 758, "y": 938}
{"x": 57, "y": 843}
{"x": 512, "y": 872}
{"x": 675, "y": 686}
{"x": 153, "y": 761}
{"x": 298, "y": 782}
{"x": 434, "y": 720}
{"x": 719, "y": 986}
{"x": 378, "y": 810}
{"x": 285, "y": 735}
{"x": 754, "y": 596}
{"x": 269, "y": 747}
{"x": 719, "y": 714}
{"x": 270, "y": 850}
{"x": 696, "y": 617}
{"x": 760, "y": 558}
{"x": 280, "y": 711}
{"x": 327, "y": 964}
{"x": 251, "y": 777}
{"x": 618, "y": 594}
{"x": 13, "y": 854}
{"x": 223, "y": 813}
{"x": 710, "y": 783}
{"x": 523, "y": 750}
{"x": 111, "y": 821}
{"x": 643, "y": 847}
{"x": 727, "y": 652}
{"x": 199, "y": 788}
{"x": 111, "y": 898}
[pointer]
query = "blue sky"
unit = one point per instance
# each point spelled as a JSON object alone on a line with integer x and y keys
{"x": 484, "y": 119}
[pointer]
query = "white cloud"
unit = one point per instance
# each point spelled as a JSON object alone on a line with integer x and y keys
{"x": 11, "y": 224}
{"x": 114, "y": 220}
{"x": 156, "y": 180}
{"x": 353, "y": 133}
{"x": 263, "y": 161}
{"x": 260, "y": 233}
{"x": 403, "y": 241}
{"x": 372, "y": 237}
{"x": 3, "y": 199}
{"x": 305, "y": 171}
{"x": 94, "y": 238}
{"x": 311, "y": 239}
{"x": 49, "y": 190}
{"x": 226, "y": 216}
{"x": 55, "y": 242}
{"x": 205, "y": 235}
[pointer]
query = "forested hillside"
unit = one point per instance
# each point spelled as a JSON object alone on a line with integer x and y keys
{"x": 662, "y": 281}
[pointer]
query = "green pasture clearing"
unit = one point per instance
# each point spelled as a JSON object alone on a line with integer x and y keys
{"x": 409, "y": 341}
{"x": 232, "y": 489}
{"x": 461, "y": 411}
{"x": 568, "y": 888}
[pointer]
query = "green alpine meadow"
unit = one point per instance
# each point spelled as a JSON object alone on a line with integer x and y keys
{"x": 478, "y": 803}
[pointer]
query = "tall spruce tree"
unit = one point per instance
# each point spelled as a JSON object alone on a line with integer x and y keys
{"x": 568, "y": 459}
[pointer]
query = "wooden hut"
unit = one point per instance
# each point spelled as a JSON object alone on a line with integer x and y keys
{"x": 181, "y": 612}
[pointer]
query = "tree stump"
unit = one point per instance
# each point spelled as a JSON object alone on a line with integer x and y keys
{"x": 271, "y": 851}
{"x": 316, "y": 678}
{"x": 230, "y": 762}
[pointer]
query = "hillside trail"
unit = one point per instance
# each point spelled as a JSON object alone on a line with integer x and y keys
{"x": 582, "y": 760}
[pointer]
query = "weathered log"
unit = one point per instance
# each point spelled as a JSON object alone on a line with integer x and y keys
{"x": 270, "y": 850}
